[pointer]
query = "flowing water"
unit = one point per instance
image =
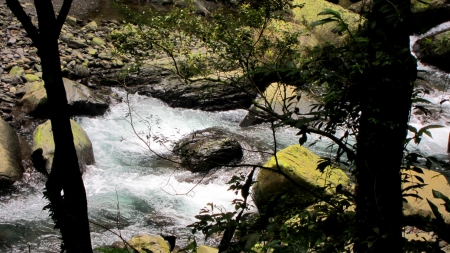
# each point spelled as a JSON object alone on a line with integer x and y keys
{"x": 148, "y": 194}
{"x": 130, "y": 190}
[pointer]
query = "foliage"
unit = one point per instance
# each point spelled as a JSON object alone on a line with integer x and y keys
{"x": 246, "y": 46}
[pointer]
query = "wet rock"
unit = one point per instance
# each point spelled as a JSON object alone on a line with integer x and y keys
{"x": 203, "y": 95}
{"x": 207, "y": 149}
{"x": 11, "y": 168}
{"x": 434, "y": 50}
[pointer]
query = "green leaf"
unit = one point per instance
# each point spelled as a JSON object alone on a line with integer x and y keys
{"x": 436, "y": 212}
{"x": 425, "y": 129}
{"x": 323, "y": 21}
{"x": 439, "y": 195}
{"x": 412, "y": 129}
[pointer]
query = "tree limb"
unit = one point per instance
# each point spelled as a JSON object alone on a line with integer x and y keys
{"x": 63, "y": 15}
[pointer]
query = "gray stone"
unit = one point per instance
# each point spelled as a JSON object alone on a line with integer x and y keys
{"x": 43, "y": 139}
{"x": 11, "y": 168}
{"x": 207, "y": 149}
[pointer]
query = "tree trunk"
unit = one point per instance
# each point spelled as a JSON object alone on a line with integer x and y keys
{"x": 383, "y": 127}
{"x": 64, "y": 188}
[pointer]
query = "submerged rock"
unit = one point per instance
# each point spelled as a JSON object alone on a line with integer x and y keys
{"x": 11, "y": 168}
{"x": 43, "y": 139}
{"x": 82, "y": 101}
{"x": 207, "y": 149}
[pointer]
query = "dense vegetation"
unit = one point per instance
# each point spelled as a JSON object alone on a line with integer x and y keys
{"x": 360, "y": 73}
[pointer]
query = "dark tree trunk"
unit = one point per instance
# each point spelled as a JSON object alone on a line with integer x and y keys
{"x": 383, "y": 127}
{"x": 64, "y": 188}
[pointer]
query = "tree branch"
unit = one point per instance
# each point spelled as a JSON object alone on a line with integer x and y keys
{"x": 62, "y": 15}
{"x": 350, "y": 154}
{"x": 25, "y": 20}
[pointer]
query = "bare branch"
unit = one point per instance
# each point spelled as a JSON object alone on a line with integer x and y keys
{"x": 62, "y": 15}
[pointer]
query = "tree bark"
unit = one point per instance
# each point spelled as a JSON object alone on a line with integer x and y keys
{"x": 386, "y": 104}
{"x": 64, "y": 188}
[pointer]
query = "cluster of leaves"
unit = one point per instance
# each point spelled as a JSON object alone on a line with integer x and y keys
{"x": 335, "y": 75}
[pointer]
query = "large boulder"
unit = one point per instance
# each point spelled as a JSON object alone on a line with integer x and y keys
{"x": 149, "y": 243}
{"x": 11, "y": 168}
{"x": 43, "y": 140}
{"x": 300, "y": 165}
{"x": 82, "y": 101}
{"x": 434, "y": 50}
{"x": 203, "y": 95}
{"x": 207, "y": 149}
{"x": 415, "y": 207}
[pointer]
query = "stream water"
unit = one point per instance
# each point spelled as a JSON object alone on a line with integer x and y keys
{"x": 150, "y": 195}
{"x": 130, "y": 190}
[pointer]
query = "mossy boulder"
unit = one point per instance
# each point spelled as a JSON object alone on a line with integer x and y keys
{"x": 434, "y": 50}
{"x": 149, "y": 243}
{"x": 16, "y": 71}
{"x": 207, "y": 249}
{"x": 434, "y": 180}
{"x": 82, "y": 101}
{"x": 11, "y": 168}
{"x": 43, "y": 139}
{"x": 207, "y": 149}
{"x": 300, "y": 165}
{"x": 96, "y": 41}
{"x": 31, "y": 78}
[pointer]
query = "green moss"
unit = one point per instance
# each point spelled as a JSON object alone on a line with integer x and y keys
{"x": 16, "y": 71}
{"x": 300, "y": 165}
{"x": 31, "y": 78}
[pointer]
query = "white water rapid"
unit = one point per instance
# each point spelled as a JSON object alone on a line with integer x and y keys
{"x": 151, "y": 195}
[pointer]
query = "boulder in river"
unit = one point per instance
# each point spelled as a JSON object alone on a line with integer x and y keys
{"x": 207, "y": 149}
{"x": 43, "y": 140}
{"x": 434, "y": 50}
{"x": 149, "y": 243}
{"x": 300, "y": 165}
{"x": 82, "y": 101}
{"x": 11, "y": 168}
{"x": 203, "y": 95}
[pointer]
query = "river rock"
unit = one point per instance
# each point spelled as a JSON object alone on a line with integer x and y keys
{"x": 203, "y": 95}
{"x": 43, "y": 139}
{"x": 149, "y": 243}
{"x": 429, "y": 14}
{"x": 72, "y": 21}
{"x": 420, "y": 207}
{"x": 16, "y": 71}
{"x": 82, "y": 101}
{"x": 207, "y": 149}
{"x": 11, "y": 168}
{"x": 434, "y": 50}
{"x": 300, "y": 165}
